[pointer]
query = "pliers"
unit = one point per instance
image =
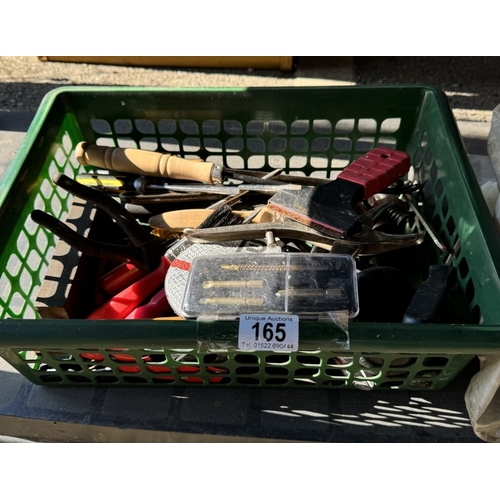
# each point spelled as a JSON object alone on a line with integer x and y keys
{"x": 146, "y": 249}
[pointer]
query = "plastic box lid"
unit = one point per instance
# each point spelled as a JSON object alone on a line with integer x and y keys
{"x": 227, "y": 285}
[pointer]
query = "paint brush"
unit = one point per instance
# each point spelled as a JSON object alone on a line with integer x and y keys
{"x": 330, "y": 207}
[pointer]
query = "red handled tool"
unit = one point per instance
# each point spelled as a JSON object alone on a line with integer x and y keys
{"x": 125, "y": 302}
{"x": 330, "y": 208}
{"x": 143, "y": 266}
{"x": 157, "y": 307}
{"x": 119, "y": 278}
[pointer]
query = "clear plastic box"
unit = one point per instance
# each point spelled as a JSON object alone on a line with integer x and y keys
{"x": 228, "y": 285}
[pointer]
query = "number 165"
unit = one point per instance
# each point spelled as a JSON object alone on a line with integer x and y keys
{"x": 278, "y": 333}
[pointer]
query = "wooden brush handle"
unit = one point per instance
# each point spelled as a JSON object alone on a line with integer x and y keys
{"x": 140, "y": 162}
{"x": 176, "y": 221}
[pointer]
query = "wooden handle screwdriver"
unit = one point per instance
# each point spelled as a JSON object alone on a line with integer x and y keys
{"x": 148, "y": 163}
{"x": 155, "y": 164}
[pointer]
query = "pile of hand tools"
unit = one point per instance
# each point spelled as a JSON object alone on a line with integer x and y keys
{"x": 188, "y": 238}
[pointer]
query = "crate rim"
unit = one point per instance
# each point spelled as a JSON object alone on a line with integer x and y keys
{"x": 447, "y": 339}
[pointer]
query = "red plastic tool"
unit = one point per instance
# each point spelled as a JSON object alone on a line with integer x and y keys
{"x": 119, "y": 278}
{"x": 157, "y": 307}
{"x": 123, "y": 303}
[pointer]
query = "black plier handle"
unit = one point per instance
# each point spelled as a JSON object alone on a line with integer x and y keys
{"x": 146, "y": 249}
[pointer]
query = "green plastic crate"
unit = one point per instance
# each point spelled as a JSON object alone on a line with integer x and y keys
{"x": 317, "y": 131}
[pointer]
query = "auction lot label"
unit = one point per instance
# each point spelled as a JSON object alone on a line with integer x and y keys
{"x": 268, "y": 332}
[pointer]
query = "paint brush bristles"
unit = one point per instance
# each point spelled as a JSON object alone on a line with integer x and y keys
{"x": 221, "y": 216}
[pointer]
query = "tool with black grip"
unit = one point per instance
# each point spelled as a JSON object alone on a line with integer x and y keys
{"x": 146, "y": 250}
{"x": 384, "y": 294}
{"x": 435, "y": 298}
{"x": 331, "y": 207}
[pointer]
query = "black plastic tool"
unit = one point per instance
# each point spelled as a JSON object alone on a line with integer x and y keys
{"x": 434, "y": 301}
{"x": 384, "y": 294}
